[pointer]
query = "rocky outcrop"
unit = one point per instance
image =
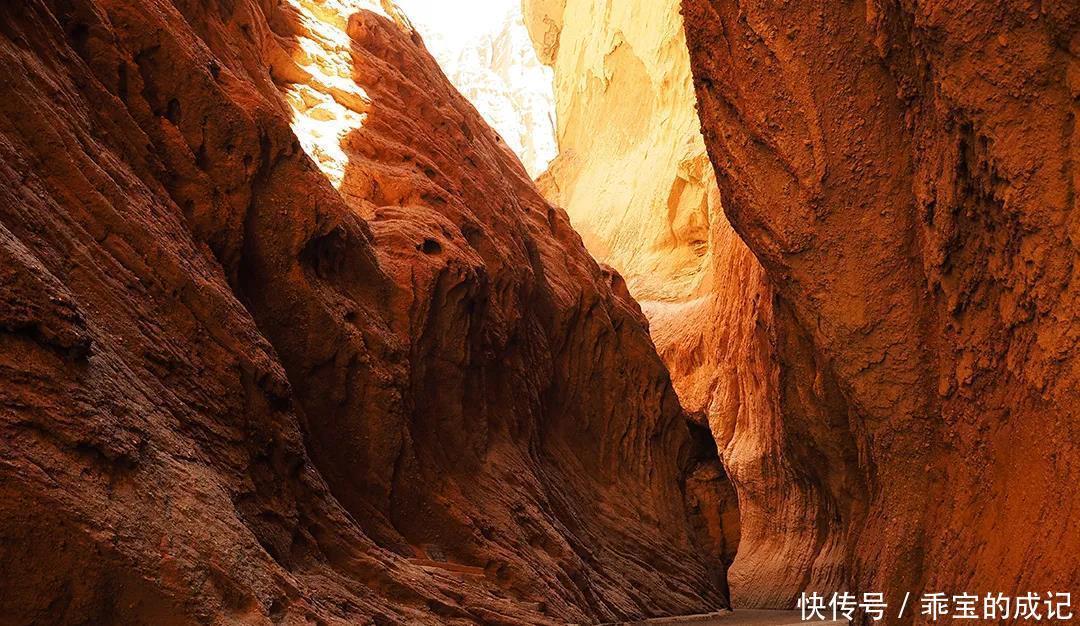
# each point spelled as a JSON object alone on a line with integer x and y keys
{"x": 905, "y": 173}
{"x": 233, "y": 393}
{"x": 736, "y": 363}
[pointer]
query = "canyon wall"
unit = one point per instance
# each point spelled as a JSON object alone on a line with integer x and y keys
{"x": 905, "y": 172}
{"x": 288, "y": 335}
{"x": 635, "y": 178}
{"x": 632, "y": 172}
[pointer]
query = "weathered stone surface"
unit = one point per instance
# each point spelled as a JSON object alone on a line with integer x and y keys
{"x": 636, "y": 179}
{"x": 632, "y": 170}
{"x": 905, "y": 173}
{"x": 234, "y": 394}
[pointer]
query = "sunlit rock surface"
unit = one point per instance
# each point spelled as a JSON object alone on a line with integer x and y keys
{"x": 485, "y": 51}
{"x": 233, "y": 393}
{"x": 327, "y": 103}
{"x": 632, "y": 171}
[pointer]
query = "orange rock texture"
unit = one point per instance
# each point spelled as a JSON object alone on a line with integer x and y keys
{"x": 232, "y": 393}
{"x": 905, "y": 172}
{"x": 635, "y": 177}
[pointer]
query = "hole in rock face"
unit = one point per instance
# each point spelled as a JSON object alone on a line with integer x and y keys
{"x": 430, "y": 246}
{"x": 472, "y": 234}
{"x": 277, "y": 608}
{"x": 172, "y": 112}
{"x": 326, "y": 254}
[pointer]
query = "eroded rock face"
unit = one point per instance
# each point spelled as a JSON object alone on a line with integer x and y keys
{"x": 905, "y": 174}
{"x": 632, "y": 171}
{"x": 232, "y": 393}
{"x": 637, "y": 181}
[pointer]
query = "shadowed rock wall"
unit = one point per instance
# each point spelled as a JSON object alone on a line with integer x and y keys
{"x": 905, "y": 173}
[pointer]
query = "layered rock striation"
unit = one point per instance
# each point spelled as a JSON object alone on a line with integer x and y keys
{"x": 288, "y": 335}
{"x": 905, "y": 174}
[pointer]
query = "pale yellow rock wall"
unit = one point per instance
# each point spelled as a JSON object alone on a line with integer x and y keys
{"x": 632, "y": 170}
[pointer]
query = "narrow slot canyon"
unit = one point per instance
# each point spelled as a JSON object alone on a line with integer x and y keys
{"x": 539, "y": 312}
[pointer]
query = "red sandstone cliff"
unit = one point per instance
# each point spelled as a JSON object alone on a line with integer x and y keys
{"x": 231, "y": 393}
{"x": 905, "y": 172}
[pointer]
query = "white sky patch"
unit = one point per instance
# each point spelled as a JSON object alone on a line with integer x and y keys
{"x": 484, "y": 48}
{"x": 329, "y": 105}
{"x": 458, "y": 22}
